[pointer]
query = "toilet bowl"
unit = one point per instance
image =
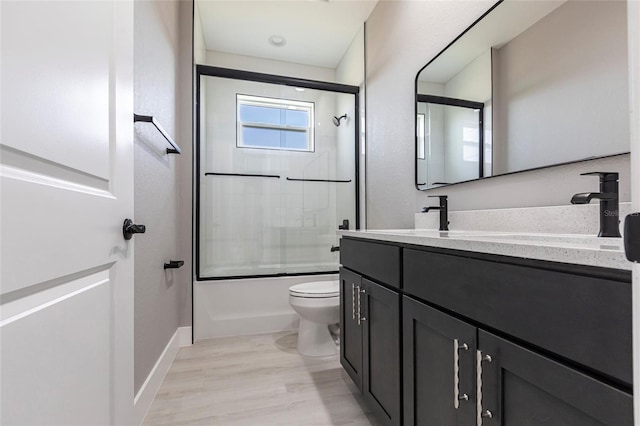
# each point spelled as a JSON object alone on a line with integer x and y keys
{"x": 318, "y": 304}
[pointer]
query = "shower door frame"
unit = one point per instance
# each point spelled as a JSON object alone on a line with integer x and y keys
{"x": 211, "y": 71}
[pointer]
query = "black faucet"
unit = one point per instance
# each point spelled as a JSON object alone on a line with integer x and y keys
{"x": 443, "y": 207}
{"x": 609, "y": 201}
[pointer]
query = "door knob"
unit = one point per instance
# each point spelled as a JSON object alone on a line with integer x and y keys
{"x": 129, "y": 228}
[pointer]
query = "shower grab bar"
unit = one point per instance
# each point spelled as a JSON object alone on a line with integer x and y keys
{"x": 319, "y": 180}
{"x": 241, "y": 175}
{"x": 175, "y": 149}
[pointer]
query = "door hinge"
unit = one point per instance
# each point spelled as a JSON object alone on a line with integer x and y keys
{"x": 632, "y": 237}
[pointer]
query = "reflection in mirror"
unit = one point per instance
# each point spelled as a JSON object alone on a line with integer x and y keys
{"x": 552, "y": 77}
{"x": 451, "y": 132}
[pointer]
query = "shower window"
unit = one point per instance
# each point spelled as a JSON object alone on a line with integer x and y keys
{"x": 269, "y": 123}
{"x": 275, "y": 210}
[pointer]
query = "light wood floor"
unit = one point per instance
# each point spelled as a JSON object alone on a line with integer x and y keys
{"x": 256, "y": 381}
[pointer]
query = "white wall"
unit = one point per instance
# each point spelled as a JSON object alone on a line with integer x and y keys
{"x": 550, "y": 93}
{"x": 458, "y": 169}
{"x": 162, "y": 49}
{"x": 268, "y": 66}
{"x": 634, "y": 84}
{"x": 185, "y": 134}
{"x": 473, "y": 82}
{"x": 401, "y": 38}
{"x": 350, "y": 71}
{"x": 446, "y": 162}
{"x": 428, "y": 88}
{"x": 199, "y": 46}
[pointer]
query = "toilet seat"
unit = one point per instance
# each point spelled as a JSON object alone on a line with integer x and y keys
{"x": 316, "y": 290}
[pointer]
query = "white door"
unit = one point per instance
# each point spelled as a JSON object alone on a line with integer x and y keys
{"x": 66, "y": 325}
{"x": 634, "y": 90}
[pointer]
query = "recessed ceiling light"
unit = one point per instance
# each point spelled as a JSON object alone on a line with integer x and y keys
{"x": 277, "y": 41}
{"x": 299, "y": 89}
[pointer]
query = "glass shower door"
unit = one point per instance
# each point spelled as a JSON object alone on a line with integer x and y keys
{"x": 276, "y": 178}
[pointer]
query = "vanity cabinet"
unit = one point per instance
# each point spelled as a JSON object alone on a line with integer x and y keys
{"x": 381, "y": 350}
{"x": 370, "y": 318}
{"x": 485, "y": 339}
{"x": 521, "y": 387}
{"x": 457, "y": 374}
{"x": 438, "y": 367}
{"x": 351, "y": 325}
{"x": 580, "y": 313}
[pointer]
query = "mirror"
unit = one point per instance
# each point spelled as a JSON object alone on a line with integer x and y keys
{"x": 529, "y": 85}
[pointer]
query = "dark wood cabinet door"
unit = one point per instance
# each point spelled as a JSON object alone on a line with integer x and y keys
{"x": 381, "y": 351}
{"x": 350, "y": 326}
{"x": 521, "y": 387}
{"x": 439, "y": 367}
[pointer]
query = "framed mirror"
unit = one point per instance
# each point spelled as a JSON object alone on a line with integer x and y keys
{"x": 527, "y": 86}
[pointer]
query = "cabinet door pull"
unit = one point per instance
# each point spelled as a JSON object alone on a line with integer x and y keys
{"x": 479, "y": 411}
{"x": 360, "y": 317}
{"x": 358, "y": 311}
{"x": 353, "y": 301}
{"x": 456, "y": 378}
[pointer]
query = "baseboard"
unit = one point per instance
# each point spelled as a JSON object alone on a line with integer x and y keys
{"x": 185, "y": 336}
{"x": 144, "y": 398}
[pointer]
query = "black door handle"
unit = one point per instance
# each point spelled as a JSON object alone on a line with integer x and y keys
{"x": 129, "y": 228}
{"x": 632, "y": 237}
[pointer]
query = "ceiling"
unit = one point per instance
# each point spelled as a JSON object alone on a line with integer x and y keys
{"x": 317, "y": 32}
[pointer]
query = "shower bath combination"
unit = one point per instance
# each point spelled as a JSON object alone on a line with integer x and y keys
{"x": 337, "y": 120}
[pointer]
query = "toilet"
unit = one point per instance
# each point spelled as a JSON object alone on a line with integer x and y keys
{"x": 318, "y": 304}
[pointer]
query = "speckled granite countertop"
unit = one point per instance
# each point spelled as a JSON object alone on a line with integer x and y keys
{"x": 565, "y": 248}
